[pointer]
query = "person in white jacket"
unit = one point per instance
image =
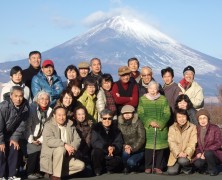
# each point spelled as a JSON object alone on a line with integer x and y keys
{"x": 16, "y": 80}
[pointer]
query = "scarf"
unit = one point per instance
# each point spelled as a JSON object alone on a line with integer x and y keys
{"x": 152, "y": 98}
{"x": 186, "y": 85}
{"x": 110, "y": 103}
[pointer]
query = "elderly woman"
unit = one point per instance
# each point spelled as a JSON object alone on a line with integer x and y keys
{"x": 40, "y": 112}
{"x": 67, "y": 101}
{"x": 134, "y": 139}
{"x": 191, "y": 88}
{"x": 183, "y": 102}
{"x": 104, "y": 97}
{"x": 106, "y": 145}
{"x": 182, "y": 139}
{"x": 154, "y": 112}
{"x": 208, "y": 152}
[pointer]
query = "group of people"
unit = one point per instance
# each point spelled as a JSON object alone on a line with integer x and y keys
{"x": 93, "y": 125}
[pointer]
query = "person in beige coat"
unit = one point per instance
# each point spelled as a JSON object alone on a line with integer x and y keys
{"x": 182, "y": 139}
{"x": 60, "y": 142}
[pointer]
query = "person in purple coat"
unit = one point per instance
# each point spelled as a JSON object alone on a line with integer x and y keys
{"x": 208, "y": 152}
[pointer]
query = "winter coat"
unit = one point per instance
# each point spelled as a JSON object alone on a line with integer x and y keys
{"x": 102, "y": 140}
{"x": 12, "y": 120}
{"x": 212, "y": 141}
{"x": 195, "y": 93}
{"x": 7, "y": 87}
{"x": 40, "y": 82}
{"x": 133, "y": 133}
{"x": 184, "y": 141}
{"x": 89, "y": 102}
{"x": 52, "y": 140}
{"x": 155, "y": 110}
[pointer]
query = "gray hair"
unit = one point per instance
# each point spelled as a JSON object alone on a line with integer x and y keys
{"x": 16, "y": 88}
{"x": 106, "y": 112}
{"x": 94, "y": 59}
{"x": 153, "y": 83}
{"x": 39, "y": 94}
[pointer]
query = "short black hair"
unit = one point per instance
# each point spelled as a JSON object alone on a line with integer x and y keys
{"x": 181, "y": 111}
{"x": 168, "y": 69}
{"x": 35, "y": 52}
{"x": 71, "y": 67}
{"x": 15, "y": 70}
{"x": 106, "y": 77}
{"x": 134, "y": 59}
{"x": 59, "y": 107}
{"x": 90, "y": 81}
{"x": 183, "y": 97}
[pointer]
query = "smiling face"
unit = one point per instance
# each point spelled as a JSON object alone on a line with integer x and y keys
{"x": 127, "y": 115}
{"x": 107, "y": 120}
{"x": 35, "y": 60}
{"x": 133, "y": 66}
{"x": 146, "y": 75}
{"x": 91, "y": 89}
{"x": 71, "y": 74}
{"x": 43, "y": 100}
{"x": 83, "y": 72}
{"x": 182, "y": 105}
{"x": 67, "y": 100}
{"x": 96, "y": 66}
{"x": 167, "y": 78}
{"x": 60, "y": 116}
{"x": 17, "y": 97}
{"x": 153, "y": 89}
{"x": 181, "y": 119}
{"x": 80, "y": 115}
{"x": 203, "y": 120}
{"x": 189, "y": 76}
{"x": 75, "y": 91}
{"x": 106, "y": 85}
{"x": 48, "y": 70}
{"x": 125, "y": 78}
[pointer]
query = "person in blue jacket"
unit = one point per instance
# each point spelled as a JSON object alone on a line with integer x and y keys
{"x": 47, "y": 80}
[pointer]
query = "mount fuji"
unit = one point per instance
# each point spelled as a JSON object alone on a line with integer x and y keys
{"x": 119, "y": 38}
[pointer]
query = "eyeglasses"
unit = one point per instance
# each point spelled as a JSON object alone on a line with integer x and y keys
{"x": 146, "y": 75}
{"x": 107, "y": 118}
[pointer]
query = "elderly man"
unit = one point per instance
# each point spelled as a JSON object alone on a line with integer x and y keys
{"x": 191, "y": 88}
{"x": 13, "y": 115}
{"x": 83, "y": 71}
{"x": 95, "y": 66}
{"x": 60, "y": 143}
{"x": 48, "y": 80}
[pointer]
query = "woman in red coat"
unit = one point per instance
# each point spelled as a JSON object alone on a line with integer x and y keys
{"x": 208, "y": 152}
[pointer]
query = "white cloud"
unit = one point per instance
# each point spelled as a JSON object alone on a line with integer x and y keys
{"x": 18, "y": 42}
{"x": 62, "y": 22}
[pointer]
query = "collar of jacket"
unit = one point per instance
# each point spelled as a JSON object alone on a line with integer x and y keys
{"x": 185, "y": 128}
{"x": 67, "y": 122}
{"x": 134, "y": 120}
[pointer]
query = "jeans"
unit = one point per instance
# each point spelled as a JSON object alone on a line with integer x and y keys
{"x": 132, "y": 161}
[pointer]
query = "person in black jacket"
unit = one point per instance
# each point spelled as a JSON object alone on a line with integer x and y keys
{"x": 13, "y": 115}
{"x": 107, "y": 143}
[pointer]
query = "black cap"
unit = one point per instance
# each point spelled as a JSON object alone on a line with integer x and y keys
{"x": 189, "y": 68}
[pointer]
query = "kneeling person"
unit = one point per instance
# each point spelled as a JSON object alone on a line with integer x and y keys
{"x": 61, "y": 141}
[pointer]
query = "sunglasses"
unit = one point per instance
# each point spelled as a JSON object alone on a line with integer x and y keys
{"x": 107, "y": 118}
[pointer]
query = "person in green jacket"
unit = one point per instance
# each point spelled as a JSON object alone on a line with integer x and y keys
{"x": 154, "y": 112}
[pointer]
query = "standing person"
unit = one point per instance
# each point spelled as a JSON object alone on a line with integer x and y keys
{"x": 40, "y": 113}
{"x": 33, "y": 69}
{"x": 208, "y": 151}
{"x": 13, "y": 115}
{"x": 134, "y": 139}
{"x": 183, "y": 102}
{"x": 154, "y": 112}
{"x": 134, "y": 64}
{"x": 71, "y": 73}
{"x": 105, "y": 98}
{"x": 83, "y": 71}
{"x": 16, "y": 80}
{"x": 182, "y": 138}
{"x": 60, "y": 143}
{"x": 125, "y": 92}
{"x": 106, "y": 145}
{"x": 48, "y": 80}
{"x": 191, "y": 88}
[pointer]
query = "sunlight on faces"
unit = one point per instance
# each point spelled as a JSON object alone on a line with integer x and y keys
{"x": 106, "y": 85}
{"x": 71, "y": 74}
{"x": 67, "y": 100}
{"x": 43, "y": 100}
{"x": 181, "y": 119}
{"x": 189, "y": 76}
{"x": 80, "y": 115}
{"x": 96, "y": 66}
{"x": 35, "y": 60}
{"x": 75, "y": 91}
{"x": 17, "y": 97}
{"x": 17, "y": 78}
{"x": 91, "y": 89}
{"x": 203, "y": 120}
{"x": 182, "y": 105}
{"x": 127, "y": 115}
{"x": 153, "y": 89}
{"x": 107, "y": 120}
{"x": 48, "y": 70}
{"x": 83, "y": 72}
{"x": 167, "y": 78}
{"x": 146, "y": 76}
{"x": 60, "y": 116}
{"x": 125, "y": 78}
{"x": 133, "y": 66}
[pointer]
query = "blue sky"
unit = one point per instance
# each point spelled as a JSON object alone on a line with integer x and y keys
{"x": 43, "y": 24}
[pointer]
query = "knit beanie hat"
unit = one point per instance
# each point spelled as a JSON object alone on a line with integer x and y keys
{"x": 203, "y": 112}
{"x": 189, "y": 68}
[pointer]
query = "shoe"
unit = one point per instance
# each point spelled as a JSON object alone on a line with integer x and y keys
{"x": 33, "y": 176}
{"x": 148, "y": 171}
{"x": 55, "y": 178}
{"x": 109, "y": 172}
{"x": 97, "y": 173}
{"x": 3, "y": 178}
{"x": 39, "y": 175}
{"x": 214, "y": 173}
{"x": 125, "y": 171}
{"x": 158, "y": 171}
{"x": 186, "y": 171}
{"x": 14, "y": 177}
